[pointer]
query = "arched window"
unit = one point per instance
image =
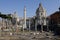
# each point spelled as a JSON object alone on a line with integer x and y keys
{"x": 41, "y": 13}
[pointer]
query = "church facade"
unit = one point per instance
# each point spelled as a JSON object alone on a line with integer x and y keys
{"x": 41, "y": 15}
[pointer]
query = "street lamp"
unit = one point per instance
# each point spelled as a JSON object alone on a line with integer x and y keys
{"x": 42, "y": 25}
{"x": 29, "y": 24}
{"x": 36, "y": 25}
{"x": 47, "y": 24}
{"x": 35, "y": 18}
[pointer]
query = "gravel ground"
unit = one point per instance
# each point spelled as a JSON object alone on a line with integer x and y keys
{"x": 28, "y": 36}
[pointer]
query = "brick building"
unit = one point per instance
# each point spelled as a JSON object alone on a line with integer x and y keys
{"x": 54, "y": 22}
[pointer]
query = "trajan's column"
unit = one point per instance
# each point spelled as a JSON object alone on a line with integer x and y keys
{"x": 24, "y": 17}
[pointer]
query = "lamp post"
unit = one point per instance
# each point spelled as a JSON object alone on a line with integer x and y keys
{"x": 47, "y": 25}
{"x": 42, "y": 25}
{"x": 23, "y": 28}
{"x": 29, "y": 24}
{"x": 16, "y": 25}
{"x": 23, "y": 25}
{"x": 36, "y": 25}
{"x": 35, "y": 18}
{"x": 59, "y": 8}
